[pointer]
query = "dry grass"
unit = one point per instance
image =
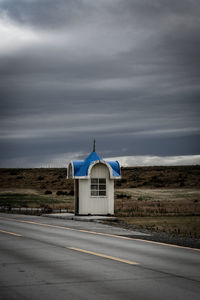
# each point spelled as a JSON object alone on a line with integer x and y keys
{"x": 174, "y": 211}
{"x": 157, "y": 202}
{"x": 37, "y": 179}
{"x": 156, "y": 198}
{"x": 160, "y": 177}
{"x": 36, "y": 200}
{"x": 146, "y": 177}
{"x": 182, "y": 225}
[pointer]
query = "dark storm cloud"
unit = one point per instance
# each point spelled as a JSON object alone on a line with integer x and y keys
{"x": 56, "y": 13}
{"x": 48, "y": 14}
{"x": 125, "y": 72}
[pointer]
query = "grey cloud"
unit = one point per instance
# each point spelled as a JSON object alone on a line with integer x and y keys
{"x": 47, "y": 14}
{"x": 39, "y": 151}
{"x": 147, "y": 160}
{"x": 50, "y": 14}
{"x": 125, "y": 72}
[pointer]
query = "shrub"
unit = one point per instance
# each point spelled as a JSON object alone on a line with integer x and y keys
{"x": 182, "y": 183}
{"x": 155, "y": 178}
{"x": 61, "y": 193}
{"x": 123, "y": 180}
{"x": 71, "y": 193}
{"x": 14, "y": 172}
{"x": 123, "y": 195}
{"x": 48, "y": 192}
{"x": 43, "y": 187}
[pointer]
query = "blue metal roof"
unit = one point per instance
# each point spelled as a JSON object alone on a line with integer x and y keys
{"x": 115, "y": 168}
{"x": 81, "y": 167}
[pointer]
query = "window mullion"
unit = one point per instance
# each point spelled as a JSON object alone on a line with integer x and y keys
{"x": 98, "y": 187}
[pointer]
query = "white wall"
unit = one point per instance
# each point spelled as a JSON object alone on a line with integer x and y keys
{"x": 96, "y": 205}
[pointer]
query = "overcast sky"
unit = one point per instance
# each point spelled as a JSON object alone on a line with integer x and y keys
{"x": 125, "y": 72}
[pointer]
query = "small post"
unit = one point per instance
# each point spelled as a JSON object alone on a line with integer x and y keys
{"x": 94, "y": 146}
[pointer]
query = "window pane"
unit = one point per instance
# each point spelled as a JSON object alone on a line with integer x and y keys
{"x": 94, "y": 180}
{"x": 98, "y": 187}
{"x": 102, "y": 187}
{"x": 94, "y": 193}
{"x": 94, "y": 187}
{"x": 102, "y": 180}
{"x": 102, "y": 193}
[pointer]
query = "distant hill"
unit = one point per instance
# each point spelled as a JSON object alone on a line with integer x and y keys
{"x": 158, "y": 177}
{"x": 132, "y": 177}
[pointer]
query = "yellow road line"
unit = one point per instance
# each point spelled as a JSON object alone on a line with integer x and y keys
{"x": 8, "y": 232}
{"x": 66, "y": 228}
{"x": 104, "y": 256}
{"x": 99, "y": 233}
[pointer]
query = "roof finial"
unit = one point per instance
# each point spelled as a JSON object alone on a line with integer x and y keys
{"x": 94, "y": 146}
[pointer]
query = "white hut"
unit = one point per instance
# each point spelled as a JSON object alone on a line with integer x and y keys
{"x": 94, "y": 184}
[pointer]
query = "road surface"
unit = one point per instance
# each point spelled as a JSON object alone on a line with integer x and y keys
{"x": 42, "y": 258}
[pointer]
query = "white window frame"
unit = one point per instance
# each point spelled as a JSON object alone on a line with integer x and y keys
{"x": 98, "y": 190}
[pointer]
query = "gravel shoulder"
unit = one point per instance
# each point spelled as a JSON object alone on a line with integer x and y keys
{"x": 161, "y": 237}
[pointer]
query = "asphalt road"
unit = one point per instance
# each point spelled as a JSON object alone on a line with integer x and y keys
{"x": 42, "y": 258}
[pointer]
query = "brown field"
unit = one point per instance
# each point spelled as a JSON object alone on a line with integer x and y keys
{"x": 160, "y": 177}
{"x": 156, "y": 198}
{"x": 157, "y": 202}
{"x": 145, "y": 177}
{"x": 184, "y": 226}
{"x": 173, "y": 211}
